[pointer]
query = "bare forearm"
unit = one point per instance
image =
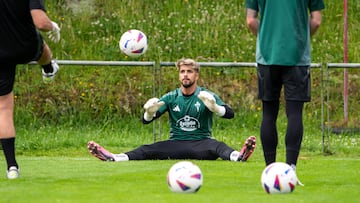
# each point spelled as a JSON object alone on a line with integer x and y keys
{"x": 41, "y": 20}
{"x": 252, "y": 21}
{"x": 315, "y": 21}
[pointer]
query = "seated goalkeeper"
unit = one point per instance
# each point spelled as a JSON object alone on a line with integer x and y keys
{"x": 191, "y": 109}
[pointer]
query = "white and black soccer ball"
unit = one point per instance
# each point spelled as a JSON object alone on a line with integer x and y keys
{"x": 133, "y": 43}
{"x": 279, "y": 178}
{"x": 184, "y": 177}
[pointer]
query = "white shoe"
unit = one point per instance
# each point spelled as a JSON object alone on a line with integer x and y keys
{"x": 298, "y": 181}
{"x": 49, "y": 77}
{"x": 13, "y": 172}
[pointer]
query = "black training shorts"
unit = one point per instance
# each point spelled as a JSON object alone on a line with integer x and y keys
{"x": 8, "y": 66}
{"x": 295, "y": 79}
{"x": 7, "y": 78}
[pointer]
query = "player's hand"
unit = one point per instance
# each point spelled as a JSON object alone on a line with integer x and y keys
{"x": 209, "y": 101}
{"x": 151, "y": 106}
{"x": 54, "y": 34}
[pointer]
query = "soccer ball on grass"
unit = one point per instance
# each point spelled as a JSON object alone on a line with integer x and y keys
{"x": 279, "y": 177}
{"x": 133, "y": 43}
{"x": 184, "y": 177}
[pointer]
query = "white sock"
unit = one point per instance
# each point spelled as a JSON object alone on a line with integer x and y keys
{"x": 121, "y": 157}
{"x": 234, "y": 156}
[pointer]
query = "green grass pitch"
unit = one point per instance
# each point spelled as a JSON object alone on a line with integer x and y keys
{"x": 86, "y": 179}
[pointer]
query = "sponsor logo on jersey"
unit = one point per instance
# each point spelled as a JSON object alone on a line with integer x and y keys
{"x": 188, "y": 123}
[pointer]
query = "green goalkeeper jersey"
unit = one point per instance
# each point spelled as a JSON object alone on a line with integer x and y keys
{"x": 189, "y": 118}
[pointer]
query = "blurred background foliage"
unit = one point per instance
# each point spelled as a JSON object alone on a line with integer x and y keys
{"x": 206, "y": 30}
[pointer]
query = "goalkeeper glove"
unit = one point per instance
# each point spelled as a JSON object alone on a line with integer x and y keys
{"x": 151, "y": 106}
{"x": 209, "y": 101}
{"x": 54, "y": 33}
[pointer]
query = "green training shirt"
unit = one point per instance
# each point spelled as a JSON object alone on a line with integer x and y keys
{"x": 189, "y": 118}
{"x": 284, "y": 31}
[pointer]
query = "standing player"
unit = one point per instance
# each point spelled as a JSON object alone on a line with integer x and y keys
{"x": 283, "y": 59}
{"x": 21, "y": 42}
{"x": 191, "y": 109}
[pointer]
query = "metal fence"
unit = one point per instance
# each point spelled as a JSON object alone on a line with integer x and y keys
{"x": 330, "y": 93}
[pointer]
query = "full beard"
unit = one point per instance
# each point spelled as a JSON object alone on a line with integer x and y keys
{"x": 187, "y": 85}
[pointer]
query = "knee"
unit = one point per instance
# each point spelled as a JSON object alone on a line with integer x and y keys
{"x": 7, "y": 102}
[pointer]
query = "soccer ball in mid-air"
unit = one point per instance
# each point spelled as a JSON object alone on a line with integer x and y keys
{"x": 133, "y": 43}
{"x": 184, "y": 177}
{"x": 279, "y": 177}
